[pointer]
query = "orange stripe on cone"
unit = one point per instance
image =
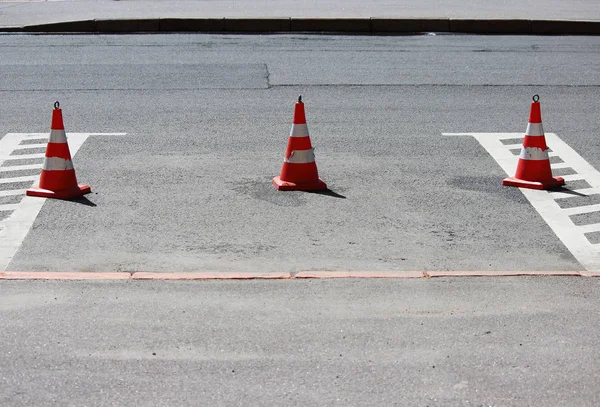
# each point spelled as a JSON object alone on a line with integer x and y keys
{"x": 299, "y": 170}
{"x": 533, "y": 169}
{"x": 58, "y": 178}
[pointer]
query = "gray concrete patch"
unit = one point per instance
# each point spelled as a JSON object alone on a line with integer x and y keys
{"x": 18, "y": 13}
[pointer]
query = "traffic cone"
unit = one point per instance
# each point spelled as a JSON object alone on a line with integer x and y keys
{"x": 58, "y": 175}
{"x": 533, "y": 170}
{"x": 299, "y": 171}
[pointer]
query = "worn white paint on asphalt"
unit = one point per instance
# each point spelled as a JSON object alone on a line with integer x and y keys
{"x": 16, "y": 225}
{"x": 547, "y": 202}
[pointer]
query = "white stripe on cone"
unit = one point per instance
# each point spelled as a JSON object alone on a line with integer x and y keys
{"x": 534, "y": 129}
{"x": 299, "y": 130}
{"x": 301, "y": 157}
{"x": 57, "y": 164}
{"x": 533, "y": 153}
{"x": 57, "y": 136}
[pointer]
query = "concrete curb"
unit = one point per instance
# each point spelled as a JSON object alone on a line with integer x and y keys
{"x": 194, "y": 276}
{"x": 356, "y": 26}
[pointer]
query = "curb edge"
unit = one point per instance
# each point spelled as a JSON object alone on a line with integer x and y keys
{"x": 356, "y": 26}
{"x": 302, "y": 275}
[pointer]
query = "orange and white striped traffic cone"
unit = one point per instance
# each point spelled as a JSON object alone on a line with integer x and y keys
{"x": 533, "y": 170}
{"x": 58, "y": 175}
{"x": 299, "y": 171}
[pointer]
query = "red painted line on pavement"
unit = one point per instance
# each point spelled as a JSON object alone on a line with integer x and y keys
{"x": 590, "y": 274}
{"x": 360, "y": 274}
{"x": 220, "y": 275}
{"x": 501, "y": 273}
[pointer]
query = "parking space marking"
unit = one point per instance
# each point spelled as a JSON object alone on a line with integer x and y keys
{"x": 18, "y": 179}
{"x": 12, "y": 192}
{"x": 22, "y": 157}
{"x": 20, "y": 167}
{"x": 15, "y": 227}
{"x": 548, "y": 203}
{"x": 28, "y": 146}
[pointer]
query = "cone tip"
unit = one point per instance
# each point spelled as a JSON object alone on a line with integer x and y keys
{"x": 57, "y": 120}
{"x": 299, "y": 115}
{"x": 535, "y": 114}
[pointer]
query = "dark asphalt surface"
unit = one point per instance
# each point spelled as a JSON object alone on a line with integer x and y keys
{"x": 189, "y": 188}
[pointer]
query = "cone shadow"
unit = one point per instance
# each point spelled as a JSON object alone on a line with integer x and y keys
{"x": 566, "y": 191}
{"x": 327, "y": 192}
{"x": 82, "y": 200}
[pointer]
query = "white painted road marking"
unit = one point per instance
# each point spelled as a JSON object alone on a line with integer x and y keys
{"x": 15, "y": 227}
{"x": 12, "y": 192}
{"x": 547, "y": 202}
{"x": 20, "y": 167}
{"x": 22, "y": 157}
{"x": 18, "y": 179}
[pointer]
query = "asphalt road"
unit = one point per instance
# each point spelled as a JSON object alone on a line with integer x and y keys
{"x": 437, "y": 342}
{"x": 207, "y": 118}
{"x": 188, "y": 189}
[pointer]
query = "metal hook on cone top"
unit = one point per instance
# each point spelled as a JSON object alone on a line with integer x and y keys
{"x": 56, "y": 105}
{"x": 536, "y": 98}
{"x": 300, "y": 99}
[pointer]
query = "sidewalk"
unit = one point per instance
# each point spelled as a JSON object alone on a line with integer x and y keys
{"x": 271, "y": 16}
